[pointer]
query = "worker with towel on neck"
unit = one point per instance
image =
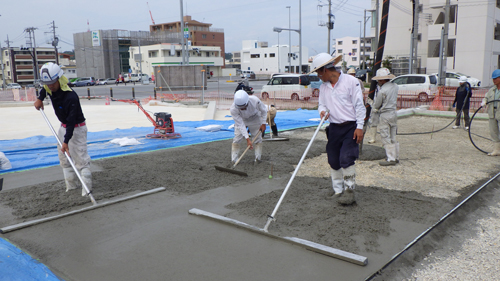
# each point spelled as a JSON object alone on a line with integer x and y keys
{"x": 73, "y": 131}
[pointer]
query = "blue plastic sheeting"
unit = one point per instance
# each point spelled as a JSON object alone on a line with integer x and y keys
{"x": 41, "y": 151}
{"x": 17, "y": 265}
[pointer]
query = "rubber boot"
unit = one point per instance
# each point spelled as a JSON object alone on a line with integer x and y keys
{"x": 337, "y": 184}
{"x": 70, "y": 179}
{"x": 349, "y": 174}
{"x": 235, "y": 151}
{"x": 390, "y": 151}
{"x": 496, "y": 151}
{"x": 371, "y": 134}
{"x": 87, "y": 179}
{"x": 258, "y": 152}
{"x": 275, "y": 130}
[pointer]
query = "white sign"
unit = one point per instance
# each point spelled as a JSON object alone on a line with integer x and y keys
{"x": 96, "y": 38}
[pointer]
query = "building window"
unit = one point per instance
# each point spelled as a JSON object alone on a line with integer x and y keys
{"x": 271, "y": 55}
{"x": 204, "y": 36}
{"x": 354, "y": 42}
{"x": 178, "y": 53}
{"x": 255, "y": 56}
{"x": 434, "y": 46}
{"x": 498, "y": 3}
{"x": 208, "y": 54}
{"x": 497, "y": 31}
{"x": 265, "y": 55}
{"x": 354, "y": 59}
{"x": 213, "y": 36}
{"x": 354, "y": 50}
{"x": 453, "y": 13}
{"x": 340, "y": 43}
{"x": 340, "y": 51}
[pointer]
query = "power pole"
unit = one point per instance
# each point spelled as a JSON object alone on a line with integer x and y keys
{"x": 31, "y": 30}
{"x": 330, "y": 23}
{"x": 183, "y": 32}
{"x": 414, "y": 38}
{"x": 375, "y": 42}
{"x": 55, "y": 41}
{"x": 1, "y": 61}
{"x": 300, "y": 36}
{"x": 443, "y": 52}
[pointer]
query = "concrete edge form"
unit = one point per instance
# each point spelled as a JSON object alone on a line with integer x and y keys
{"x": 42, "y": 220}
{"x": 315, "y": 247}
{"x": 210, "y": 113}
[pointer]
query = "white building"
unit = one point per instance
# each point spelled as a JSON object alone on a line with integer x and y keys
{"x": 474, "y": 35}
{"x": 171, "y": 54}
{"x": 261, "y": 59}
{"x": 351, "y": 49}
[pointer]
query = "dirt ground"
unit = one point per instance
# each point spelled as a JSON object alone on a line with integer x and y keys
{"x": 435, "y": 172}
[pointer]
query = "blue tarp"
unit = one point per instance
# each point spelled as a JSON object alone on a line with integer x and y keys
{"x": 17, "y": 265}
{"x": 40, "y": 151}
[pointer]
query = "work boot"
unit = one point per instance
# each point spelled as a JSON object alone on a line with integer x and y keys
{"x": 390, "y": 151}
{"x": 347, "y": 197}
{"x": 235, "y": 151}
{"x": 87, "y": 179}
{"x": 275, "y": 130}
{"x": 496, "y": 151}
{"x": 337, "y": 184}
{"x": 70, "y": 179}
{"x": 371, "y": 134}
{"x": 397, "y": 152}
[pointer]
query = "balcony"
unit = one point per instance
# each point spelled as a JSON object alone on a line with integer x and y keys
{"x": 46, "y": 57}
{"x": 23, "y": 57}
{"x": 19, "y": 67}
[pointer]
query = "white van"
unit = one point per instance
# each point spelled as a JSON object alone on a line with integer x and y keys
{"x": 135, "y": 77}
{"x": 248, "y": 74}
{"x": 288, "y": 86}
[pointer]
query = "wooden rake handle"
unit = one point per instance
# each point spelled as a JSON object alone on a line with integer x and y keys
{"x": 256, "y": 136}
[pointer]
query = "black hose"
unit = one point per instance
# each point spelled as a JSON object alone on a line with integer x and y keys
{"x": 470, "y": 134}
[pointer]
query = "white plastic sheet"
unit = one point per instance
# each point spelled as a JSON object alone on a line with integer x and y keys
{"x": 125, "y": 141}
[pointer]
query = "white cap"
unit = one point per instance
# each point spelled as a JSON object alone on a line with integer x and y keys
{"x": 462, "y": 79}
{"x": 50, "y": 73}
{"x": 240, "y": 98}
{"x": 383, "y": 74}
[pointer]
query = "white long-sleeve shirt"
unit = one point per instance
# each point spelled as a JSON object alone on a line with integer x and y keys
{"x": 255, "y": 109}
{"x": 344, "y": 100}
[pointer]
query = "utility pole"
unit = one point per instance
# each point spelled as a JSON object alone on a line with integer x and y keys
{"x": 443, "y": 53}
{"x": 330, "y": 23}
{"x": 31, "y": 30}
{"x": 300, "y": 36}
{"x": 360, "y": 43}
{"x": 55, "y": 41}
{"x": 140, "y": 57}
{"x": 414, "y": 39}
{"x": 183, "y": 45}
{"x": 1, "y": 61}
{"x": 375, "y": 43}
{"x": 289, "y": 40}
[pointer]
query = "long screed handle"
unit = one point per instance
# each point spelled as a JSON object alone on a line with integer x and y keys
{"x": 270, "y": 218}
{"x": 256, "y": 136}
{"x": 69, "y": 158}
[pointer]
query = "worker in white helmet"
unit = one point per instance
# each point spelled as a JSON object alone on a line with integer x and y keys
{"x": 247, "y": 111}
{"x": 352, "y": 72}
{"x": 341, "y": 102}
{"x": 385, "y": 104}
{"x": 73, "y": 131}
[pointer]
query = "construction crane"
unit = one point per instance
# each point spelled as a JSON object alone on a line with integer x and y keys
{"x": 151, "y": 14}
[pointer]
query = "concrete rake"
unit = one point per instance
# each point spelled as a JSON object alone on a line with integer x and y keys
{"x": 312, "y": 246}
{"x": 95, "y": 205}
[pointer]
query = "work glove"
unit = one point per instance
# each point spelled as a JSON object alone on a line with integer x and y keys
{"x": 483, "y": 103}
{"x": 375, "y": 110}
{"x": 369, "y": 101}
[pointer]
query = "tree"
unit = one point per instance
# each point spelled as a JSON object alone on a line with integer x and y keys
{"x": 228, "y": 56}
{"x": 387, "y": 63}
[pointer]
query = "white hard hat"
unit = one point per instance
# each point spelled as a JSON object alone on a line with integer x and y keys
{"x": 462, "y": 79}
{"x": 383, "y": 74}
{"x": 323, "y": 59}
{"x": 50, "y": 73}
{"x": 240, "y": 98}
{"x": 351, "y": 71}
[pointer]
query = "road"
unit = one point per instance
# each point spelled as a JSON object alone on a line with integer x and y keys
{"x": 143, "y": 91}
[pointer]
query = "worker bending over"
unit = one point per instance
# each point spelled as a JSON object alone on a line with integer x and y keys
{"x": 247, "y": 111}
{"x": 384, "y": 104}
{"x": 73, "y": 132}
{"x": 341, "y": 102}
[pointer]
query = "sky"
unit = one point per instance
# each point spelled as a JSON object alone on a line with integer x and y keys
{"x": 241, "y": 20}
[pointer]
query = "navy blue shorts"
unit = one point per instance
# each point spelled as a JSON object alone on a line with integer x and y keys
{"x": 342, "y": 149}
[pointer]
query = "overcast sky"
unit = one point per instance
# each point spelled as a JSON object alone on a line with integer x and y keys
{"x": 241, "y": 20}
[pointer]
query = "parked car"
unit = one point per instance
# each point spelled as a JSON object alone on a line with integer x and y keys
{"x": 72, "y": 82}
{"x": 13, "y": 86}
{"x": 248, "y": 74}
{"x": 315, "y": 84}
{"x": 85, "y": 81}
{"x": 289, "y": 86}
{"x": 423, "y": 86}
{"x": 452, "y": 79}
{"x": 106, "y": 81}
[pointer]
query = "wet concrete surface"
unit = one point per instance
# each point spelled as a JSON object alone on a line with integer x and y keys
{"x": 154, "y": 237}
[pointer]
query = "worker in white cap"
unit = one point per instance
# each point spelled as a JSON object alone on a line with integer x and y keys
{"x": 462, "y": 102}
{"x": 385, "y": 104}
{"x": 73, "y": 131}
{"x": 247, "y": 111}
{"x": 491, "y": 99}
{"x": 341, "y": 102}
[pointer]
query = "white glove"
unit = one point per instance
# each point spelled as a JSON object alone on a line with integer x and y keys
{"x": 375, "y": 110}
{"x": 483, "y": 103}
{"x": 369, "y": 101}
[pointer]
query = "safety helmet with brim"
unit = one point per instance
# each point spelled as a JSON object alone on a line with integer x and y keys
{"x": 351, "y": 71}
{"x": 462, "y": 79}
{"x": 495, "y": 74}
{"x": 324, "y": 60}
{"x": 383, "y": 74}
{"x": 50, "y": 73}
{"x": 241, "y": 99}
